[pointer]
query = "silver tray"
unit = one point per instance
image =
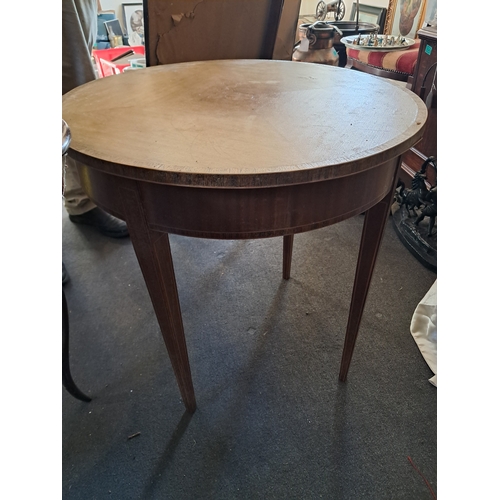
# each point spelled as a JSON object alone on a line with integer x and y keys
{"x": 348, "y": 42}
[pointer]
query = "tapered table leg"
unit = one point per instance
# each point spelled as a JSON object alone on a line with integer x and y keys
{"x": 373, "y": 229}
{"x": 287, "y": 255}
{"x": 152, "y": 249}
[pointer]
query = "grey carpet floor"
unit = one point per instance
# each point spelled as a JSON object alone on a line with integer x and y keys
{"x": 273, "y": 421}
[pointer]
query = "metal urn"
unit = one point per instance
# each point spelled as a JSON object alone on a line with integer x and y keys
{"x": 316, "y": 43}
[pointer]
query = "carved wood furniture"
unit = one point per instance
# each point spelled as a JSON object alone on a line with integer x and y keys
{"x": 421, "y": 83}
{"x": 422, "y": 243}
{"x": 240, "y": 149}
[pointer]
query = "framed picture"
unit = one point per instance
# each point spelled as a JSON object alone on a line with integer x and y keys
{"x": 114, "y": 28}
{"x": 102, "y": 32}
{"x": 405, "y": 17}
{"x": 370, "y": 14}
{"x": 133, "y": 18}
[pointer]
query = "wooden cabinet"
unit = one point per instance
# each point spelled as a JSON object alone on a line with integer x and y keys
{"x": 420, "y": 239}
{"x": 421, "y": 83}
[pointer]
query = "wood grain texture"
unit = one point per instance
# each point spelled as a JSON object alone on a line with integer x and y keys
{"x": 155, "y": 259}
{"x": 244, "y": 213}
{"x": 371, "y": 238}
{"x": 287, "y": 255}
{"x": 241, "y": 123}
{"x": 240, "y": 149}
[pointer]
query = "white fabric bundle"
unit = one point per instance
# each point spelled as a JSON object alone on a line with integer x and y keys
{"x": 424, "y": 329}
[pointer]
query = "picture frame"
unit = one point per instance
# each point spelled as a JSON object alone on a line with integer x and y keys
{"x": 133, "y": 19}
{"x": 370, "y": 14}
{"x": 405, "y": 17}
{"x": 114, "y": 28}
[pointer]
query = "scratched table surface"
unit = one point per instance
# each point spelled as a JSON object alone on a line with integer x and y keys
{"x": 242, "y": 122}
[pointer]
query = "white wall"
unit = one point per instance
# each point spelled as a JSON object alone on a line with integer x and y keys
{"x": 116, "y": 5}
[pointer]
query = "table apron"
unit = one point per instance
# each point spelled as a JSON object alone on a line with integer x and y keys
{"x": 243, "y": 213}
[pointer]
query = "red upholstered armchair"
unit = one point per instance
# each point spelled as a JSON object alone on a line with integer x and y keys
{"x": 394, "y": 64}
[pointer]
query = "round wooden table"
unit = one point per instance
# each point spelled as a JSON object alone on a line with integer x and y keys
{"x": 240, "y": 149}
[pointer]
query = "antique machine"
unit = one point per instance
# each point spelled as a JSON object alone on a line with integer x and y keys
{"x": 333, "y": 9}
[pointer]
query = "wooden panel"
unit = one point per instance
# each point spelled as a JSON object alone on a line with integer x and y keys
{"x": 427, "y": 57}
{"x": 194, "y": 30}
{"x": 246, "y": 213}
{"x": 287, "y": 30}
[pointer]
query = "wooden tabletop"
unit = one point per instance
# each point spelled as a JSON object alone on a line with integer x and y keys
{"x": 241, "y": 123}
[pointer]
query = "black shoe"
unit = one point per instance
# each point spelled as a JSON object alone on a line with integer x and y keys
{"x": 103, "y": 222}
{"x": 65, "y": 274}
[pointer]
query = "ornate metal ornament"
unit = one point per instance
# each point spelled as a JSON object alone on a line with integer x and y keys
{"x": 335, "y": 10}
{"x": 414, "y": 216}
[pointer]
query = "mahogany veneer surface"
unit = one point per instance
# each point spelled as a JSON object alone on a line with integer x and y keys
{"x": 240, "y": 123}
{"x": 240, "y": 149}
